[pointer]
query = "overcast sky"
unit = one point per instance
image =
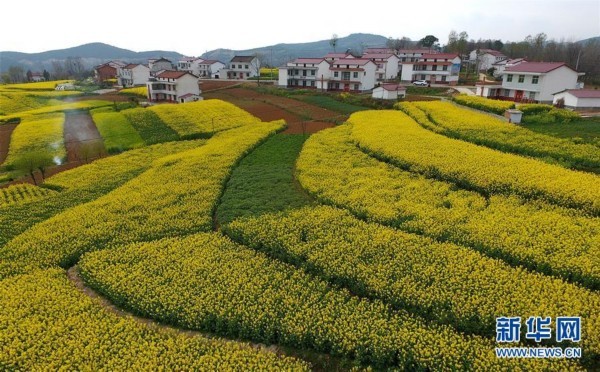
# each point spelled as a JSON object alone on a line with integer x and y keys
{"x": 192, "y": 27}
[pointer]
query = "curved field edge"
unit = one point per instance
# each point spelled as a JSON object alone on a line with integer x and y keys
{"x": 48, "y": 324}
{"x": 206, "y": 282}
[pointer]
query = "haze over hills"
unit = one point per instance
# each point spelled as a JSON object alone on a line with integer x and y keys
{"x": 279, "y": 54}
{"x": 91, "y": 54}
{"x": 96, "y": 53}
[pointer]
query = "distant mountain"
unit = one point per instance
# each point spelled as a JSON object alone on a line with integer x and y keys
{"x": 595, "y": 39}
{"x": 279, "y": 54}
{"x": 91, "y": 54}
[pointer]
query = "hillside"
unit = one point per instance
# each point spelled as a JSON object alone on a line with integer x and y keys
{"x": 279, "y": 54}
{"x": 92, "y": 54}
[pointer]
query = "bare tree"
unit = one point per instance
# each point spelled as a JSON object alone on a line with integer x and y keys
{"x": 256, "y": 64}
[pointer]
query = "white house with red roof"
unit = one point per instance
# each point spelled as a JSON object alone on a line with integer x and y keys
{"x": 387, "y": 65}
{"x": 352, "y": 74}
{"x": 436, "y": 68}
{"x": 578, "y": 99}
{"x": 389, "y": 91}
{"x": 241, "y": 67}
{"x": 309, "y": 73}
{"x": 500, "y": 66}
{"x": 133, "y": 74}
{"x": 531, "y": 82}
{"x": 485, "y": 58}
{"x": 157, "y": 65}
{"x": 173, "y": 86}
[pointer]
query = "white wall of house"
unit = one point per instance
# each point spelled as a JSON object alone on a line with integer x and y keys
{"x": 406, "y": 74}
{"x": 381, "y": 93}
{"x": 140, "y": 74}
{"x": 283, "y": 77}
{"x": 547, "y": 83}
{"x": 212, "y": 69}
{"x": 574, "y": 102}
{"x": 187, "y": 84}
{"x": 242, "y": 70}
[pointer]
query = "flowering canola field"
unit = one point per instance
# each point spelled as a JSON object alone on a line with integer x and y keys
{"x": 419, "y": 243}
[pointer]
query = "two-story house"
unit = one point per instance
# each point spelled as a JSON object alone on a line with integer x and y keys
{"x": 107, "y": 70}
{"x": 159, "y": 64}
{"x": 500, "y": 66}
{"x": 387, "y": 65}
{"x": 133, "y": 74}
{"x": 189, "y": 64}
{"x": 531, "y": 82}
{"x": 305, "y": 73}
{"x": 485, "y": 58}
{"x": 242, "y": 67}
{"x": 173, "y": 86}
{"x": 436, "y": 68}
{"x": 210, "y": 68}
{"x": 352, "y": 74}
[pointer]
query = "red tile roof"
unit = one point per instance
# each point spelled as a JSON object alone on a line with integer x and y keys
{"x": 188, "y": 95}
{"x": 131, "y": 65}
{"x": 493, "y": 52}
{"x": 583, "y": 93}
{"x": 209, "y": 62}
{"x": 539, "y": 67}
{"x": 308, "y": 60}
{"x": 352, "y": 61}
{"x": 168, "y": 74}
{"x": 393, "y": 87}
{"x": 377, "y": 55}
{"x": 440, "y": 55}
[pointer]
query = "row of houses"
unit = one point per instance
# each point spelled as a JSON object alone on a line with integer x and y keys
{"x": 345, "y": 72}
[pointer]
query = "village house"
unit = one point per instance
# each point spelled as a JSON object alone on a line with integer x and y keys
{"x": 500, "y": 66}
{"x": 387, "y": 65}
{"x": 352, "y": 74}
{"x": 578, "y": 99}
{"x": 157, "y": 65}
{"x": 37, "y": 77}
{"x": 241, "y": 67}
{"x": 436, "y": 68}
{"x": 107, "y": 71}
{"x": 305, "y": 73}
{"x": 133, "y": 74}
{"x": 531, "y": 82}
{"x": 486, "y": 58}
{"x": 173, "y": 86}
{"x": 330, "y": 57}
{"x": 210, "y": 68}
{"x": 189, "y": 64}
{"x": 389, "y": 91}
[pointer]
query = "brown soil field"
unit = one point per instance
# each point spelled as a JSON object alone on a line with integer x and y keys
{"x": 5, "y": 134}
{"x": 301, "y": 117}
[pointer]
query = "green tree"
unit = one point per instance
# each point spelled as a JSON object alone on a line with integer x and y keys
{"x": 31, "y": 162}
{"x": 429, "y": 41}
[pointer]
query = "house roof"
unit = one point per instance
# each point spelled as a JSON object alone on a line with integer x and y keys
{"x": 308, "y": 60}
{"x": 493, "y": 52}
{"x": 352, "y": 61}
{"x": 392, "y": 87}
{"x": 189, "y": 59}
{"x": 440, "y": 55}
{"x": 377, "y": 55}
{"x": 131, "y": 65}
{"x": 242, "y": 58}
{"x": 188, "y": 95}
{"x": 378, "y": 50}
{"x": 210, "y": 62}
{"x": 337, "y": 55}
{"x": 539, "y": 67}
{"x": 161, "y": 59}
{"x": 413, "y": 51}
{"x": 510, "y": 61}
{"x": 170, "y": 74}
{"x": 582, "y": 93}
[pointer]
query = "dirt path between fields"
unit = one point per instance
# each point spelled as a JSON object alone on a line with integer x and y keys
{"x": 5, "y": 134}
{"x": 319, "y": 361}
{"x": 301, "y": 117}
{"x": 82, "y": 139}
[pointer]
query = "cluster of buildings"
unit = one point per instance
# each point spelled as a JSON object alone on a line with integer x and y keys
{"x": 378, "y": 70}
{"x": 376, "y": 67}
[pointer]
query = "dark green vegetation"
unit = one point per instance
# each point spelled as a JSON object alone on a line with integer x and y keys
{"x": 428, "y": 91}
{"x": 583, "y": 130}
{"x": 264, "y": 182}
{"x": 150, "y": 127}
{"x": 330, "y": 103}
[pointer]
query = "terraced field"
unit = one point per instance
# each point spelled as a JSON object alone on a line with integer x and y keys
{"x": 217, "y": 240}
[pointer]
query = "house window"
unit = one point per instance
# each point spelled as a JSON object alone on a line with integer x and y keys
{"x": 444, "y": 78}
{"x": 380, "y": 76}
{"x": 508, "y": 78}
{"x": 245, "y": 66}
{"x": 422, "y": 77}
{"x": 346, "y": 75}
{"x": 312, "y": 83}
{"x": 355, "y": 75}
{"x": 521, "y": 78}
{"x": 335, "y": 74}
{"x": 232, "y": 66}
{"x": 535, "y": 79}
{"x": 355, "y": 86}
{"x": 312, "y": 72}
{"x": 445, "y": 68}
{"x": 434, "y": 68}
{"x": 532, "y": 95}
{"x": 506, "y": 92}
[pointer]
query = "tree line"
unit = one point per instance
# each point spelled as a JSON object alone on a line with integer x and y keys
{"x": 70, "y": 68}
{"x": 582, "y": 56}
